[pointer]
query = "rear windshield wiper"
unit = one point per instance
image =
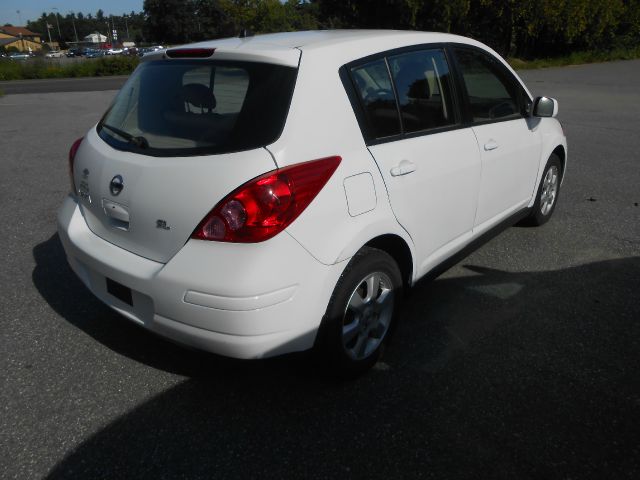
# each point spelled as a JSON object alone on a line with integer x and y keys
{"x": 139, "y": 142}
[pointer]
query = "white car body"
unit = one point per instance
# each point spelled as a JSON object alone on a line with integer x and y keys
{"x": 427, "y": 196}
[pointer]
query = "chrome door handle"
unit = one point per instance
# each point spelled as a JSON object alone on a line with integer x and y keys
{"x": 403, "y": 168}
{"x": 491, "y": 145}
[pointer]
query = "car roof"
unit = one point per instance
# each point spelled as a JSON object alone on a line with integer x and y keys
{"x": 315, "y": 39}
{"x": 285, "y": 48}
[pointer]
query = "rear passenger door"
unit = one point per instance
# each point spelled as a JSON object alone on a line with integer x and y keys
{"x": 430, "y": 164}
{"x": 509, "y": 144}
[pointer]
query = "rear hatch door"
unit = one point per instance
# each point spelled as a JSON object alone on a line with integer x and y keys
{"x": 150, "y": 206}
{"x": 179, "y": 137}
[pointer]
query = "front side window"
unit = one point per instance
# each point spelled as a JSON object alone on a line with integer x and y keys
{"x": 423, "y": 85}
{"x": 374, "y": 88}
{"x": 492, "y": 92}
{"x": 193, "y": 107}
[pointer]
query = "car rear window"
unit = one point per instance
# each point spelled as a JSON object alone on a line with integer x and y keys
{"x": 195, "y": 107}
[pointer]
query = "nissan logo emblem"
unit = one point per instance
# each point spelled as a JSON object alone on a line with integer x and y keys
{"x": 116, "y": 185}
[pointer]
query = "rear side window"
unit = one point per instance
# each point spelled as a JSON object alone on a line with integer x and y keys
{"x": 373, "y": 86}
{"x": 190, "y": 107}
{"x": 423, "y": 85}
{"x": 493, "y": 93}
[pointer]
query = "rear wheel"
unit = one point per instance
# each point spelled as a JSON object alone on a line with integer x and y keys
{"x": 361, "y": 312}
{"x": 548, "y": 192}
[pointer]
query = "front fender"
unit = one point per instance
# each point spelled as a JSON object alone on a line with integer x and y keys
{"x": 552, "y": 137}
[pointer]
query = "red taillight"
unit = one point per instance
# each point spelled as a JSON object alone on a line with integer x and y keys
{"x": 266, "y": 205}
{"x": 72, "y": 158}
{"x": 190, "y": 52}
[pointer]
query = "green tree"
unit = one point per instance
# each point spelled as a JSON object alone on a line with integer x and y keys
{"x": 395, "y": 14}
{"x": 171, "y": 21}
{"x": 228, "y": 17}
{"x": 526, "y": 28}
{"x": 628, "y": 32}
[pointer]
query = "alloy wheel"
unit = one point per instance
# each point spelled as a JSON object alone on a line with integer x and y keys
{"x": 368, "y": 315}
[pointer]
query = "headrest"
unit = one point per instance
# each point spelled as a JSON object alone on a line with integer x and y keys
{"x": 411, "y": 82}
{"x": 199, "y": 95}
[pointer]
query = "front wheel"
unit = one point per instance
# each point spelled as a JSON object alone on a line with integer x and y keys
{"x": 361, "y": 312}
{"x": 548, "y": 192}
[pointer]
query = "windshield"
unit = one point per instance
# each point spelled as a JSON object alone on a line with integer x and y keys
{"x": 194, "y": 107}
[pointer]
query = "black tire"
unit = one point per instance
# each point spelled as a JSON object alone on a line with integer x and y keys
{"x": 371, "y": 322}
{"x": 541, "y": 211}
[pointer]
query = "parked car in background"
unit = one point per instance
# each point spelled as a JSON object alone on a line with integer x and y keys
{"x": 75, "y": 52}
{"x": 114, "y": 51}
{"x": 94, "y": 53}
{"x": 54, "y": 54}
{"x": 146, "y": 50}
{"x": 277, "y": 193}
{"x": 19, "y": 56}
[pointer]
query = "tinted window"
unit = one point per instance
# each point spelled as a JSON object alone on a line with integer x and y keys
{"x": 423, "y": 85}
{"x": 230, "y": 85}
{"x": 184, "y": 107}
{"x": 373, "y": 85}
{"x": 492, "y": 91}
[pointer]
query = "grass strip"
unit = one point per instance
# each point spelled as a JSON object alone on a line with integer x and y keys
{"x": 576, "y": 58}
{"x": 40, "y": 68}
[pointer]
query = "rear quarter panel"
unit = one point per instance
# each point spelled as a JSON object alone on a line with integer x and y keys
{"x": 321, "y": 123}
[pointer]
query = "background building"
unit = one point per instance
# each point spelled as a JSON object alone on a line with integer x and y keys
{"x": 20, "y": 38}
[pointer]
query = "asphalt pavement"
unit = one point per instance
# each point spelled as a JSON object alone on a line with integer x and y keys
{"x": 522, "y": 361}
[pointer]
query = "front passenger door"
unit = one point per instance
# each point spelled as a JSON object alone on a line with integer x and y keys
{"x": 510, "y": 146}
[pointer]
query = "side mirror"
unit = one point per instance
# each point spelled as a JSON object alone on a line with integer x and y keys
{"x": 545, "y": 107}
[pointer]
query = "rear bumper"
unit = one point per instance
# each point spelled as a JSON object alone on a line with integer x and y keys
{"x": 242, "y": 301}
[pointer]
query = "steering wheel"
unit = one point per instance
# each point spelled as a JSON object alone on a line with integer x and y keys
{"x": 503, "y": 109}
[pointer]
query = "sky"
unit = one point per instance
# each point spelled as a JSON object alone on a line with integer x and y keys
{"x": 32, "y": 9}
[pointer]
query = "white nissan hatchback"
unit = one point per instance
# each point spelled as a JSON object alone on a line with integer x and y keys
{"x": 263, "y": 195}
